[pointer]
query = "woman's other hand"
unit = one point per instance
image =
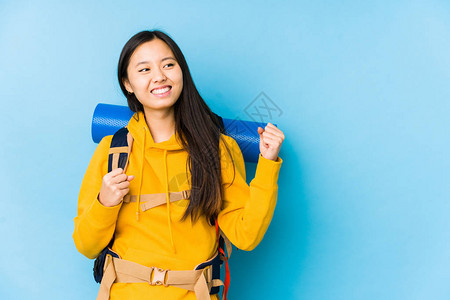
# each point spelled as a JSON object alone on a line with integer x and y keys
{"x": 115, "y": 186}
{"x": 270, "y": 140}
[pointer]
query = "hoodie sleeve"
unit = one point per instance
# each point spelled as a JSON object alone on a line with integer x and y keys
{"x": 247, "y": 210}
{"x": 94, "y": 223}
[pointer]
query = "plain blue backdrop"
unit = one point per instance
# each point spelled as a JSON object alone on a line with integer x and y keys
{"x": 363, "y": 92}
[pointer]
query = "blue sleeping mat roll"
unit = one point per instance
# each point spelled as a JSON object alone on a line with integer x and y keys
{"x": 109, "y": 118}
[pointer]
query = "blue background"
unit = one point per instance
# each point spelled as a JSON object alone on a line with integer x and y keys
{"x": 363, "y": 210}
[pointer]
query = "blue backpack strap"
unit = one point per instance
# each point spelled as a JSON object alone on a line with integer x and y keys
{"x": 217, "y": 261}
{"x": 100, "y": 262}
{"x": 118, "y": 152}
{"x": 117, "y": 158}
{"x": 215, "y": 264}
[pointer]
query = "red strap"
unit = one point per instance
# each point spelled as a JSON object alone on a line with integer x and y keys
{"x": 227, "y": 276}
{"x": 227, "y": 268}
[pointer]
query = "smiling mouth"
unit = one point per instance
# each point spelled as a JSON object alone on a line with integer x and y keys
{"x": 161, "y": 91}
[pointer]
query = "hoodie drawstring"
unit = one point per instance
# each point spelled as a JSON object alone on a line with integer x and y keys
{"x": 140, "y": 177}
{"x": 138, "y": 200}
{"x": 168, "y": 202}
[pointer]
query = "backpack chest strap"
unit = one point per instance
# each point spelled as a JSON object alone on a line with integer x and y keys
{"x": 149, "y": 201}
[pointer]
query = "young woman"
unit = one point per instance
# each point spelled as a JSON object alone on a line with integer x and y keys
{"x": 178, "y": 153}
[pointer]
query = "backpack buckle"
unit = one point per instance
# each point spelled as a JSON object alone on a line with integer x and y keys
{"x": 159, "y": 276}
{"x": 185, "y": 194}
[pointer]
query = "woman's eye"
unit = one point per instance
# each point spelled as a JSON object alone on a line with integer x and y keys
{"x": 147, "y": 69}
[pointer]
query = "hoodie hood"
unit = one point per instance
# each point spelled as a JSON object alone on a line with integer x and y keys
{"x": 138, "y": 128}
{"x": 142, "y": 138}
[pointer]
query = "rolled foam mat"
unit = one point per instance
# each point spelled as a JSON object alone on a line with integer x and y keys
{"x": 109, "y": 118}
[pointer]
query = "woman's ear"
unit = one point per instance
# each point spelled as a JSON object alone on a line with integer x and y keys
{"x": 127, "y": 85}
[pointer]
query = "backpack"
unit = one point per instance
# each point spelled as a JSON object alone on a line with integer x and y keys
{"x": 118, "y": 158}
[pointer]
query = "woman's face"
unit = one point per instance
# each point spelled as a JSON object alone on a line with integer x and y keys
{"x": 152, "y": 67}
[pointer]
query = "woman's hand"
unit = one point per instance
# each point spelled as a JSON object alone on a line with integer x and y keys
{"x": 115, "y": 186}
{"x": 270, "y": 140}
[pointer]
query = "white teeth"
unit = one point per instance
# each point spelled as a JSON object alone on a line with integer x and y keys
{"x": 161, "y": 91}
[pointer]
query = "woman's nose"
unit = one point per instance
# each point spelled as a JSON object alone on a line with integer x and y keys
{"x": 158, "y": 75}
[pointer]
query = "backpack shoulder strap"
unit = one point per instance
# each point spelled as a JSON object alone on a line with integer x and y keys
{"x": 120, "y": 150}
{"x": 221, "y": 240}
{"x": 119, "y": 153}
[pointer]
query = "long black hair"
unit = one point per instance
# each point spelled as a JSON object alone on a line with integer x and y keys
{"x": 198, "y": 127}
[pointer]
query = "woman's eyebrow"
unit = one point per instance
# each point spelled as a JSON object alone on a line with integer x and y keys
{"x": 146, "y": 62}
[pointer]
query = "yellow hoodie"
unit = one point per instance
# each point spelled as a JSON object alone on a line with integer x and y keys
{"x": 157, "y": 237}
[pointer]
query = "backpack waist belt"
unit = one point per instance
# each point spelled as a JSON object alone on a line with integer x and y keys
{"x": 120, "y": 270}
